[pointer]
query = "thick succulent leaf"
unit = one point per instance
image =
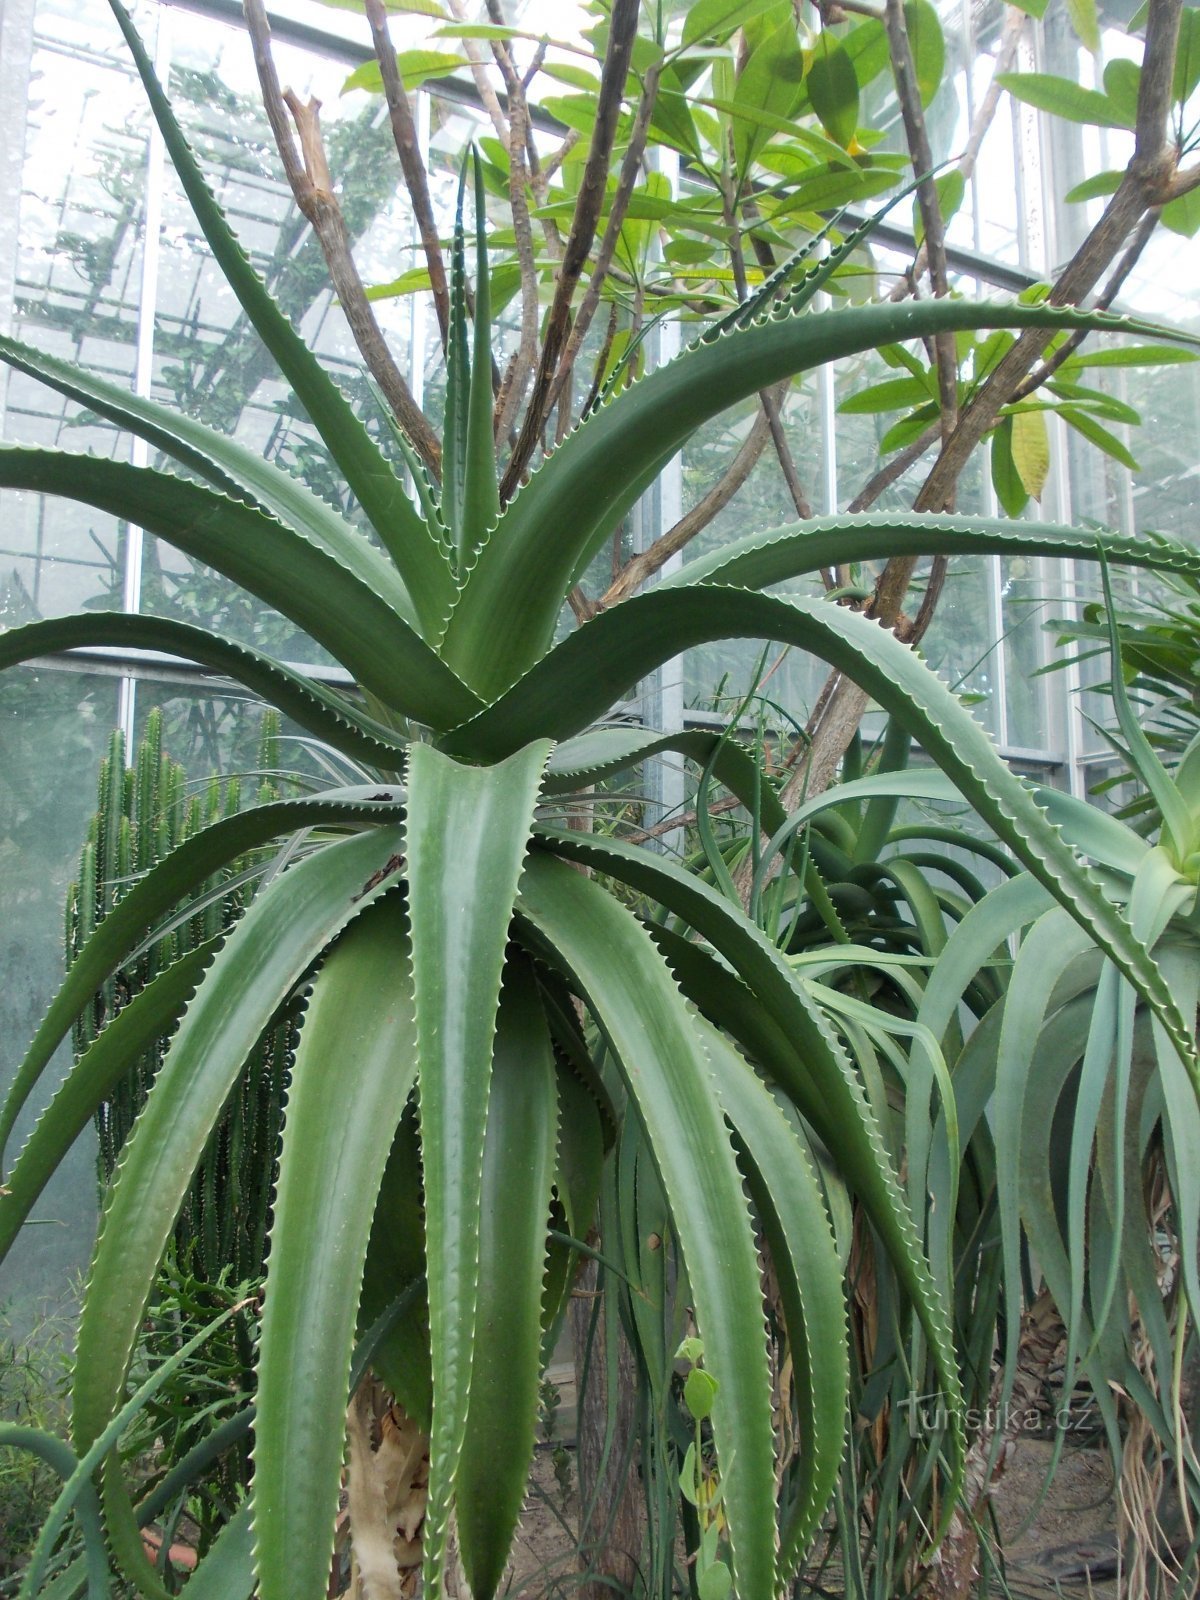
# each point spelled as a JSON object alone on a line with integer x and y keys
{"x": 415, "y": 550}
{"x": 791, "y": 1211}
{"x": 64, "y": 1463}
{"x": 175, "y": 876}
{"x": 471, "y": 497}
{"x": 506, "y": 615}
{"x": 980, "y": 937}
{"x": 221, "y": 462}
{"x": 322, "y": 710}
{"x": 227, "y": 1571}
{"x": 354, "y": 1068}
{"x": 150, "y": 1015}
{"x": 658, "y": 1046}
{"x": 396, "y": 1265}
{"x": 468, "y": 829}
{"x": 603, "y": 752}
{"x": 279, "y": 565}
{"x": 518, "y": 1171}
{"x": 760, "y": 1002}
{"x": 284, "y": 931}
{"x": 583, "y": 676}
{"x": 762, "y": 559}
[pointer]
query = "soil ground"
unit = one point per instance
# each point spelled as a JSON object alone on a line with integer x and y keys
{"x": 1068, "y": 1551}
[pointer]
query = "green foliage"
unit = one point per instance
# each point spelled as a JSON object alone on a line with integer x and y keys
{"x": 448, "y": 1108}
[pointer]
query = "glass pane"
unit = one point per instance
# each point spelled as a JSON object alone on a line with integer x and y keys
{"x": 55, "y": 727}
{"x": 76, "y": 293}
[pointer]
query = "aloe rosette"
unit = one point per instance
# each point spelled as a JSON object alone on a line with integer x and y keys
{"x": 443, "y": 1117}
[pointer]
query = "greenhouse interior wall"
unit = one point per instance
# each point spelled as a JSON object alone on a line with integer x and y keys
{"x": 101, "y": 261}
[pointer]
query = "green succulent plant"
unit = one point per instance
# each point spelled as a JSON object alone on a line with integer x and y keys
{"x": 444, "y": 1117}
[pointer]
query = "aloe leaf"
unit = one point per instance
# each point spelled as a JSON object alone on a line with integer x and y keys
{"x": 762, "y": 559}
{"x": 458, "y": 382}
{"x": 481, "y": 493}
{"x": 585, "y": 674}
{"x": 284, "y": 931}
{"x": 769, "y": 1012}
{"x": 281, "y": 566}
{"x": 603, "y": 752}
{"x": 468, "y": 828}
{"x": 1178, "y": 829}
{"x": 518, "y": 1170}
{"x": 150, "y": 1015}
{"x": 415, "y": 550}
{"x": 580, "y": 928}
{"x": 791, "y": 1211}
{"x": 316, "y": 707}
{"x": 63, "y": 1461}
{"x": 227, "y": 1571}
{"x": 221, "y": 462}
{"x": 80, "y": 1483}
{"x": 353, "y": 1070}
{"x": 506, "y": 615}
{"x": 175, "y": 876}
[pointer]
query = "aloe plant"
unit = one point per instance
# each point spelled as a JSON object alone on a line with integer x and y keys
{"x": 445, "y": 1121}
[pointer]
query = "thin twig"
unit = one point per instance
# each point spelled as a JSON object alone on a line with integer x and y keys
{"x": 643, "y": 567}
{"x": 307, "y": 171}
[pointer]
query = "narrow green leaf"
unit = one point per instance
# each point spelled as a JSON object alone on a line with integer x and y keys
{"x": 1187, "y": 57}
{"x": 589, "y": 670}
{"x": 717, "y": 19}
{"x": 1095, "y": 433}
{"x": 1085, "y": 22}
{"x": 1062, "y": 97}
{"x": 175, "y": 876}
{"x": 315, "y": 706}
{"x": 928, "y": 46}
{"x": 408, "y": 541}
{"x": 791, "y": 1211}
{"x": 1103, "y": 184}
{"x": 220, "y": 461}
{"x": 1006, "y": 480}
{"x": 518, "y": 1171}
{"x": 352, "y": 1073}
{"x": 303, "y": 580}
{"x": 832, "y": 85}
{"x": 468, "y": 828}
{"x": 893, "y": 394}
{"x": 506, "y": 615}
{"x": 781, "y": 553}
{"x": 149, "y": 1016}
{"x": 666, "y": 1069}
{"x": 1122, "y": 81}
{"x": 481, "y": 495}
{"x": 768, "y": 83}
{"x": 414, "y": 66}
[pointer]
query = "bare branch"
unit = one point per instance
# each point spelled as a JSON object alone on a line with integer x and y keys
{"x": 1010, "y": 39}
{"x": 909, "y": 95}
{"x": 308, "y": 176}
{"x": 404, "y": 131}
{"x": 630, "y": 171}
{"x": 1142, "y": 235}
{"x": 483, "y": 82}
{"x": 588, "y": 207}
{"x": 644, "y": 566}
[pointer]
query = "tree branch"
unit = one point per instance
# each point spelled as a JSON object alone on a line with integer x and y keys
{"x": 630, "y": 171}
{"x": 404, "y": 132}
{"x": 907, "y": 91}
{"x": 588, "y": 207}
{"x": 312, "y": 187}
{"x": 644, "y": 566}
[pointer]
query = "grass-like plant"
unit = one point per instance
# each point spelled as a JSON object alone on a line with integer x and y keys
{"x": 444, "y": 1119}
